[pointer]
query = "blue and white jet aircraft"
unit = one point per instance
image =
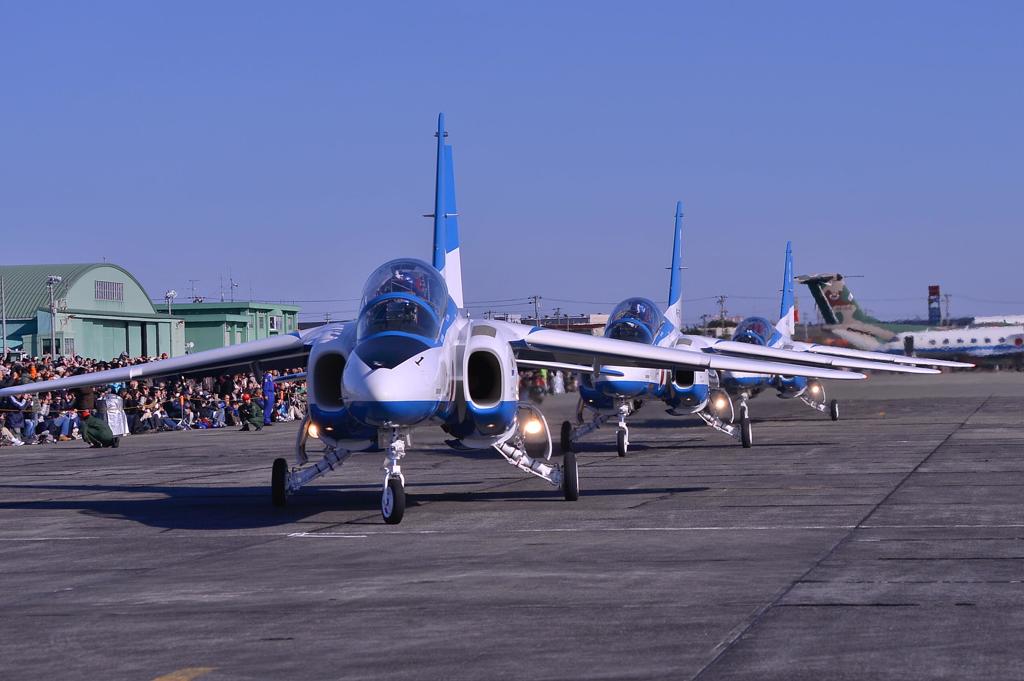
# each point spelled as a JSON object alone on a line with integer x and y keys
{"x": 413, "y": 357}
{"x": 776, "y": 341}
{"x": 617, "y": 391}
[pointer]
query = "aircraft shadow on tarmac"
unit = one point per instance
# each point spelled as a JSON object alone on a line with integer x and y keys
{"x": 235, "y": 508}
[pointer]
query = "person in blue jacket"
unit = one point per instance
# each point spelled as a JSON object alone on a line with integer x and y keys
{"x": 268, "y": 398}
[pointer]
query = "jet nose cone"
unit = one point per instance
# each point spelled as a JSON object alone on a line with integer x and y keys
{"x": 385, "y": 397}
{"x": 625, "y": 382}
{"x": 623, "y": 388}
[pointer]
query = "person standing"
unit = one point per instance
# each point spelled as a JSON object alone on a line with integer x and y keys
{"x": 268, "y": 398}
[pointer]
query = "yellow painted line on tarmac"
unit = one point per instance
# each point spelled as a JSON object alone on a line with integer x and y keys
{"x": 186, "y": 674}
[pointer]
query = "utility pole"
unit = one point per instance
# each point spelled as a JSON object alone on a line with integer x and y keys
{"x": 222, "y": 288}
{"x": 51, "y": 283}
{"x": 721, "y": 315}
{"x": 536, "y": 309}
{"x": 3, "y": 313}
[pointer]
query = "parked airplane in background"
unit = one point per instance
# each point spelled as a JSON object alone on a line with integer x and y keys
{"x": 617, "y": 392}
{"x": 845, "y": 319}
{"x": 413, "y": 357}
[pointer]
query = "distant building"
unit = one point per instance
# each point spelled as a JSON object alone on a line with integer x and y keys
{"x": 217, "y": 325}
{"x": 1000, "y": 319}
{"x": 717, "y": 328}
{"x": 579, "y": 323}
{"x": 102, "y": 312}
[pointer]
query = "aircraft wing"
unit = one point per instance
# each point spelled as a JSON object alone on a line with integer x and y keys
{"x": 551, "y": 345}
{"x": 733, "y": 348}
{"x": 881, "y": 356}
{"x": 291, "y": 347}
{"x": 535, "y": 364}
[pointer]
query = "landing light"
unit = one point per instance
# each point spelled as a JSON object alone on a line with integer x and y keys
{"x": 313, "y": 431}
{"x": 815, "y": 389}
{"x": 720, "y": 403}
{"x": 533, "y": 427}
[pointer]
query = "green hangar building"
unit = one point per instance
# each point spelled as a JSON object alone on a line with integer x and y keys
{"x": 217, "y": 325}
{"x": 101, "y": 312}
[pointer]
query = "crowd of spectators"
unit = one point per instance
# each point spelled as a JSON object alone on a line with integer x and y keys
{"x": 535, "y": 383}
{"x": 145, "y": 406}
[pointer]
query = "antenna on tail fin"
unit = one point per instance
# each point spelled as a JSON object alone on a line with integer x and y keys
{"x": 787, "y": 312}
{"x": 447, "y": 257}
{"x": 674, "y": 313}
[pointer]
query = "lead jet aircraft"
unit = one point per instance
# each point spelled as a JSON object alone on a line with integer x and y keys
{"x": 413, "y": 357}
{"x": 618, "y": 391}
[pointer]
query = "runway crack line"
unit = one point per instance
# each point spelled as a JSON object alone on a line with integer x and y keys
{"x": 842, "y": 541}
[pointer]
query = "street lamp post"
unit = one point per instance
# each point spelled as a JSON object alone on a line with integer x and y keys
{"x": 51, "y": 283}
{"x": 3, "y": 314}
{"x": 170, "y": 296}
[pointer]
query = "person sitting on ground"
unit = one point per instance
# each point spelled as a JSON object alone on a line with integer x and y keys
{"x": 96, "y": 432}
{"x": 251, "y": 413}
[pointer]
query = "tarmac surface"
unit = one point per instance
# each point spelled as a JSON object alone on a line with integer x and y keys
{"x": 888, "y": 545}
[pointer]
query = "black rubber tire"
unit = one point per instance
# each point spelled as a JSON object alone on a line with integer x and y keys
{"x": 833, "y": 410}
{"x": 394, "y": 514}
{"x": 278, "y": 476}
{"x": 620, "y": 443}
{"x": 746, "y": 432}
{"x": 565, "y": 442}
{"x": 570, "y": 477}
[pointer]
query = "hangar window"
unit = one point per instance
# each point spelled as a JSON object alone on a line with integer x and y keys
{"x": 275, "y": 322}
{"x": 109, "y": 290}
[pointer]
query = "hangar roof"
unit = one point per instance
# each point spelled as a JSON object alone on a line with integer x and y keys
{"x": 25, "y": 285}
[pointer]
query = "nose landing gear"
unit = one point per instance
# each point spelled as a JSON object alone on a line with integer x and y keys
{"x": 392, "y": 500}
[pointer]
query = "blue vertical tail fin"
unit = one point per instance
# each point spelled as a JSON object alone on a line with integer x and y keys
{"x": 447, "y": 255}
{"x": 674, "y": 312}
{"x": 787, "y": 312}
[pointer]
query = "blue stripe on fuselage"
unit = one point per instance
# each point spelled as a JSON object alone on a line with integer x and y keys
{"x": 490, "y": 421}
{"x": 398, "y": 413}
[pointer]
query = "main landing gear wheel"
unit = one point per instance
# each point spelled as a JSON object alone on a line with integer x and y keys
{"x": 278, "y": 478}
{"x": 746, "y": 431}
{"x": 570, "y": 477}
{"x": 566, "y": 439}
{"x": 392, "y": 501}
{"x": 621, "y": 444}
{"x": 833, "y": 410}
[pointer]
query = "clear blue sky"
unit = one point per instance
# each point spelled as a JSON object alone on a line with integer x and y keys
{"x": 292, "y": 143}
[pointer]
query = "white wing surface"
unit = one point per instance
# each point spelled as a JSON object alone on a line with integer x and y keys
{"x": 551, "y": 345}
{"x": 734, "y": 348}
{"x": 880, "y": 356}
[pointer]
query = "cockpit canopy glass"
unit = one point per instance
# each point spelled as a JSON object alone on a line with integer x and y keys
{"x": 634, "y": 319}
{"x": 403, "y": 295}
{"x": 755, "y": 330}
